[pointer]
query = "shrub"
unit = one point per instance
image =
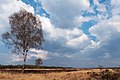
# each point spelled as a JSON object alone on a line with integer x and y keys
{"x": 105, "y": 75}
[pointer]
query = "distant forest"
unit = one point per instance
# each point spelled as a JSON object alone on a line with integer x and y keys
{"x": 31, "y": 67}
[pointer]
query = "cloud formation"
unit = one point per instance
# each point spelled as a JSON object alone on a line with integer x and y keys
{"x": 66, "y": 42}
{"x": 106, "y": 30}
{"x": 62, "y": 13}
{"x": 8, "y": 7}
{"x": 32, "y": 54}
{"x": 40, "y": 54}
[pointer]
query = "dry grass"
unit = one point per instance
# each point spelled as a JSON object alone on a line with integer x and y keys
{"x": 47, "y": 76}
{"x": 75, "y": 75}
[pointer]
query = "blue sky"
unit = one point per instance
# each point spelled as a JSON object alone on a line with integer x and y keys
{"x": 78, "y": 33}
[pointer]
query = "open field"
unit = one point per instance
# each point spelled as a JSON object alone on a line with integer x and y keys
{"x": 46, "y": 76}
{"x": 80, "y": 74}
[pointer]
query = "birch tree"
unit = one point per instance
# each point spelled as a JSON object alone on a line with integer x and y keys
{"x": 25, "y": 33}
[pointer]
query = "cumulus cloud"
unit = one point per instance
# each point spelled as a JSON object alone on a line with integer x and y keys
{"x": 55, "y": 32}
{"x": 116, "y": 8}
{"x": 107, "y": 55}
{"x": 40, "y": 54}
{"x": 105, "y": 29}
{"x": 70, "y": 9}
{"x": 96, "y": 2}
{"x": 72, "y": 38}
{"x": 62, "y": 28}
{"x": 76, "y": 42}
{"x": 16, "y": 58}
{"x": 69, "y": 55}
{"x": 33, "y": 53}
{"x": 65, "y": 43}
{"x": 79, "y": 20}
{"x": 8, "y": 7}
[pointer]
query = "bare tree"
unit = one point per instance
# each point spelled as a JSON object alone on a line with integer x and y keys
{"x": 38, "y": 62}
{"x": 100, "y": 67}
{"x": 25, "y": 33}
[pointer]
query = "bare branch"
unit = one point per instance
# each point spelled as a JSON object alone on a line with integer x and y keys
{"x": 26, "y": 32}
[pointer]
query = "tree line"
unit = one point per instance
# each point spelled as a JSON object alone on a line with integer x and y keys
{"x": 31, "y": 67}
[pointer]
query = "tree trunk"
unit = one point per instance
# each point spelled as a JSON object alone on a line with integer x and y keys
{"x": 23, "y": 67}
{"x": 25, "y": 57}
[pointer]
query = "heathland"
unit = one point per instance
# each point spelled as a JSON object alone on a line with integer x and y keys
{"x": 60, "y": 73}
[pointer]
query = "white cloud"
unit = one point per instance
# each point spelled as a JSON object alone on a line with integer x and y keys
{"x": 96, "y": 2}
{"x": 62, "y": 27}
{"x": 105, "y": 29}
{"x": 62, "y": 13}
{"x": 84, "y": 4}
{"x": 78, "y": 20}
{"x": 66, "y": 4}
{"x": 107, "y": 55}
{"x": 40, "y": 54}
{"x": 69, "y": 55}
{"x": 33, "y": 53}
{"x": 79, "y": 42}
{"x": 8, "y": 7}
{"x": 94, "y": 44}
{"x": 63, "y": 24}
{"x": 16, "y": 58}
{"x": 116, "y": 8}
{"x": 73, "y": 38}
{"x": 55, "y": 33}
{"x": 100, "y": 7}
{"x": 36, "y": 1}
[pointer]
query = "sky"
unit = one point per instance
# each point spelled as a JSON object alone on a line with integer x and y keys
{"x": 78, "y": 33}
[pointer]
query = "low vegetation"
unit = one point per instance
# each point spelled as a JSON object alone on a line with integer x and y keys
{"x": 46, "y": 76}
{"x": 106, "y": 75}
{"x": 79, "y": 74}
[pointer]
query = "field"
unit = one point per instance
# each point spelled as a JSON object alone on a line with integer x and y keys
{"x": 78, "y": 74}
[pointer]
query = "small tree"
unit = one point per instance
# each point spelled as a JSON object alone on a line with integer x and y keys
{"x": 25, "y": 33}
{"x": 38, "y": 62}
{"x": 100, "y": 67}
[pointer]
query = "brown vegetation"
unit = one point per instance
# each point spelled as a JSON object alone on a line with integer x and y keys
{"x": 47, "y": 76}
{"x": 90, "y": 74}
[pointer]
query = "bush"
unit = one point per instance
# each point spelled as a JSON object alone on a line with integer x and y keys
{"x": 105, "y": 75}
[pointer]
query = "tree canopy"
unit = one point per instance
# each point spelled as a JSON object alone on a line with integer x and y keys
{"x": 25, "y": 32}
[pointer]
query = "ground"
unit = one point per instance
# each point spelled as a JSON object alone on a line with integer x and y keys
{"x": 72, "y": 75}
